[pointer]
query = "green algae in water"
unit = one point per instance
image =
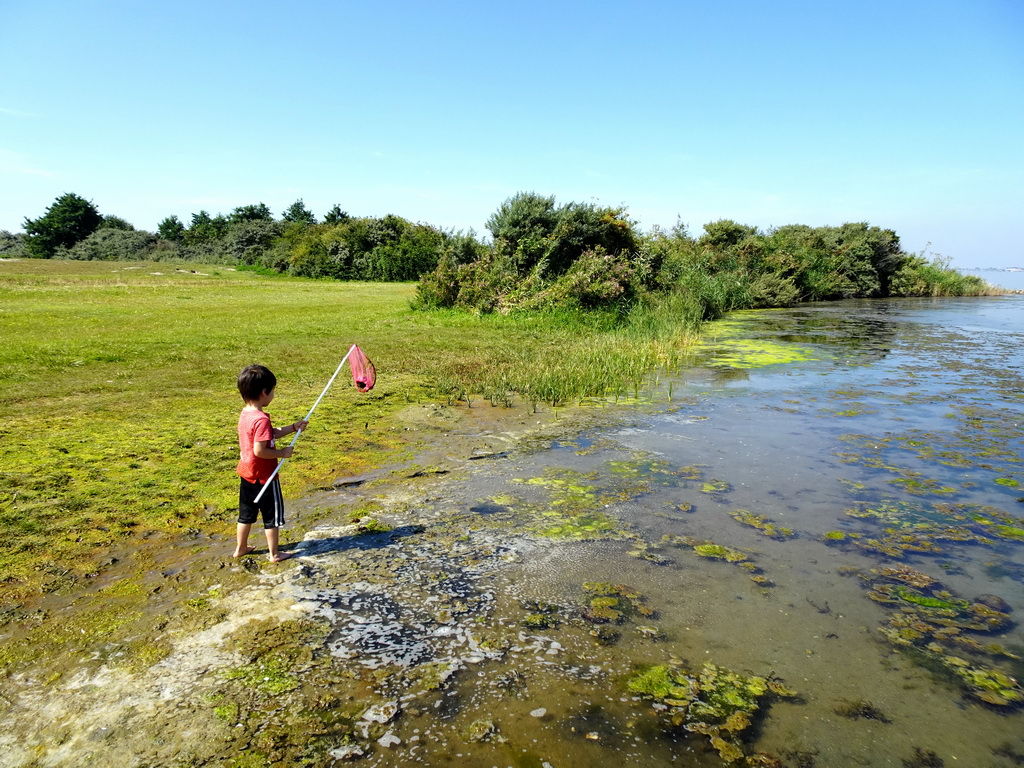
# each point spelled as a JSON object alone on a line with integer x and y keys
{"x": 615, "y": 603}
{"x": 762, "y": 524}
{"x": 719, "y": 552}
{"x": 271, "y": 676}
{"x": 575, "y": 505}
{"x": 658, "y": 472}
{"x": 939, "y": 629}
{"x": 911, "y": 527}
{"x": 729, "y": 345}
{"x": 714, "y": 701}
{"x": 658, "y": 682}
{"x": 714, "y": 487}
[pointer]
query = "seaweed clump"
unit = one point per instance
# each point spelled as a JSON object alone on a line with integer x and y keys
{"x": 714, "y": 701}
{"x": 932, "y": 528}
{"x": 714, "y": 551}
{"x": 941, "y": 629}
{"x": 614, "y": 603}
{"x": 860, "y": 709}
{"x": 762, "y": 524}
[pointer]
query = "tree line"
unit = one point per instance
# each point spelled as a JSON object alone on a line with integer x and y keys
{"x": 341, "y": 246}
{"x": 541, "y": 255}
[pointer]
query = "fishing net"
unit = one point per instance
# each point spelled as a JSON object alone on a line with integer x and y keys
{"x": 364, "y": 376}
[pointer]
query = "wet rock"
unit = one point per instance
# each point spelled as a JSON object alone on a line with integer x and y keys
{"x": 352, "y": 482}
{"x": 347, "y": 752}
{"x": 382, "y": 713}
{"x": 994, "y": 602}
{"x": 389, "y": 740}
{"x": 480, "y": 730}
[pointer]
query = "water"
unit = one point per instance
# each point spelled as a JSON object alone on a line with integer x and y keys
{"x": 902, "y": 425}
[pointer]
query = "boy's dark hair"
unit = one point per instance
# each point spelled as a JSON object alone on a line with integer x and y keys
{"x": 254, "y": 380}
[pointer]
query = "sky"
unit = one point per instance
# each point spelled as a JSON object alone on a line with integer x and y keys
{"x": 908, "y": 115}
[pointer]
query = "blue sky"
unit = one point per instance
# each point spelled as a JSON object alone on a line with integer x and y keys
{"x": 908, "y": 114}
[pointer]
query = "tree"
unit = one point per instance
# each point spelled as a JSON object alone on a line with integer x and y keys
{"x": 525, "y": 222}
{"x": 69, "y": 220}
{"x": 205, "y": 228}
{"x": 532, "y": 230}
{"x": 171, "y": 229}
{"x": 724, "y": 233}
{"x": 298, "y": 213}
{"x": 336, "y": 215}
{"x": 258, "y": 212}
{"x": 116, "y": 222}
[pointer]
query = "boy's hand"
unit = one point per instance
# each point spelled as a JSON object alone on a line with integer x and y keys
{"x": 300, "y": 425}
{"x": 286, "y": 452}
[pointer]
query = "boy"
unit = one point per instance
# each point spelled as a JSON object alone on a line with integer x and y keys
{"x": 258, "y": 459}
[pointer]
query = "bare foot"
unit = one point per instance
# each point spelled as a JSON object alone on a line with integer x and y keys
{"x": 280, "y": 556}
{"x": 248, "y": 551}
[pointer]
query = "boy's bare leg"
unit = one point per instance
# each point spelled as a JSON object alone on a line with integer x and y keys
{"x": 242, "y": 540}
{"x": 272, "y": 538}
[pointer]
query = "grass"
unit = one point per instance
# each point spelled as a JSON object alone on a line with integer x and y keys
{"x": 119, "y": 407}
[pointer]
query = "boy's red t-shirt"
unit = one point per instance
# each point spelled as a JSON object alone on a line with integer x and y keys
{"x": 254, "y": 426}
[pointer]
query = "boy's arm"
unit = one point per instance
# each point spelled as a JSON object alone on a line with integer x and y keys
{"x": 291, "y": 428}
{"x": 262, "y": 450}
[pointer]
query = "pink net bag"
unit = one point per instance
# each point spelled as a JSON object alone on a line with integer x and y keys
{"x": 364, "y": 375}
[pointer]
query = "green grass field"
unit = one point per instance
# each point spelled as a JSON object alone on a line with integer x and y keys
{"x": 118, "y": 403}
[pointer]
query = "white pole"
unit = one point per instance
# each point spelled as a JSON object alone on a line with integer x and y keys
{"x": 308, "y": 415}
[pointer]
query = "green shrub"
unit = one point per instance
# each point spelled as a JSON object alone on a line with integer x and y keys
{"x": 12, "y": 246}
{"x": 108, "y": 244}
{"x": 920, "y": 276}
{"x": 439, "y": 289}
{"x": 773, "y": 290}
{"x": 249, "y": 241}
{"x": 596, "y": 279}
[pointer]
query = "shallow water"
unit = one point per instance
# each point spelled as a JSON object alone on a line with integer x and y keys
{"x": 909, "y": 404}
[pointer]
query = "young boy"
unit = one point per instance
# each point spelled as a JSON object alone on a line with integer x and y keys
{"x": 258, "y": 459}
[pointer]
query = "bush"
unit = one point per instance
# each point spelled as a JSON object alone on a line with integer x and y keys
{"x": 12, "y": 246}
{"x": 485, "y": 282}
{"x": 594, "y": 280}
{"x": 535, "y": 232}
{"x": 773, "y": 290}
{"x": 933, "y": 277}
{"x": 439, "y": 289}
{"x": 403, "y": 251}
{"x": 387, "y": 249}
{"x": 107, "y": 244}
{"x": 249, "y": 241}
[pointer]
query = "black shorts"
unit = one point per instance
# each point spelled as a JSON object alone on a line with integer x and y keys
{"x": 271, "y": 505}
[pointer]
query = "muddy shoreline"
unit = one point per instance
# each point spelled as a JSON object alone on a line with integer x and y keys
{"x": 145, "y": 688}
